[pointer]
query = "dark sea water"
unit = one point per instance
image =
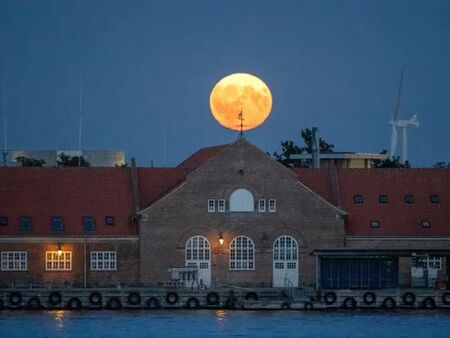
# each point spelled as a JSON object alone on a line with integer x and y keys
{"x": 221, "y": 323}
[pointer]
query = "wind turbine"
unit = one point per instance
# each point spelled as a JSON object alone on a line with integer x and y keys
{"x": 413, "y": 122}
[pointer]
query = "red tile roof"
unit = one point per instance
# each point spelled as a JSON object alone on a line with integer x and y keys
{"x": 71, "y": 193}
{"x": 156, "y": 182}
{"x": 396, "y": 218}
{"x": 201, "y": 156}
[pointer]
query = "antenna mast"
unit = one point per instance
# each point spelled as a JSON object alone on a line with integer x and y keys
{"x": 80, "y": 110}
{"x": 5, "y": 150}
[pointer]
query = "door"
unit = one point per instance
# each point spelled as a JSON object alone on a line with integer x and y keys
{"x": 285, "y": 262}
{"x": 198, "y": 254}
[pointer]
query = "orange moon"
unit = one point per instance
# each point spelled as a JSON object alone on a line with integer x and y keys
{"x": 236, "y": 92}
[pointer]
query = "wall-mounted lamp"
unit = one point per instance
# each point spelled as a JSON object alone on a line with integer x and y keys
{"x": 59, "y": 251}
{"x": 220, "y": 239}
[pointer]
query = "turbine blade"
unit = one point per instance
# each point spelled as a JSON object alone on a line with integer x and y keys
{"x": 393, "y": 141}
{"x": 397, "y": 104}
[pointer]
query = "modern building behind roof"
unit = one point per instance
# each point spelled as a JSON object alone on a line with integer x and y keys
{"x": 343, "y": 159}
{"x": 96, "y": 158}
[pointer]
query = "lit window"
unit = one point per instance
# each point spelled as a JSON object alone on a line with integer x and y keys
{"x": 434, "y": 199}
{"x": 3, "y": 220}
{"x": 409, "y": 199}
{"x": 383, "y": 199}
{"x": 25, "y": 224}
{"x": 242, "y": 200}
{"x": 57, "y": 224}
{"x": 58, "y": 262}
{"x": 426, "y": 224}
{"x": 262, "y": 205}
{"x": 272, "y": 205}
{"x": 14, "y": 260}
{"x": 109, "y": 220}
{"x": 221, "y": 205}
{"x": 375, "y": 224}
{"x": 211, "y": 205}
{"x": 358, "y": 199}
{"x": 242, "y": 254}
{"x": 103, "y": 260}
{"x": 88, "y": 223}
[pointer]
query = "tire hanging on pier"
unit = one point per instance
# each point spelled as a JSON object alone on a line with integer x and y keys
{"x": 134, "y": 298}
{"x": 15, "y": 298}
{"x": 251, "y": 296}
{"x": 212, "y": 298}
{"x": 285, "y": 306}
{"x": 308, "y": 306}
{"x": 446, "y": 298}
{"x": 409, "y": 298}
{"x": 74, "y": 303}
{"x": 34, "y": 304}
{"x": 428, "y": 303}
{"x": 54, "y": 298}
{"x": 330, "y": 298}
{"x": 192, "y": 303}
{"x": 114, "y": 303}
{"x": 349, "y": 303}
{"x": 153, "y": 303}
{"x": 369, "y": 298}
{"x": 95, "y": 298}
{"x": 172, "y": 298}
{"x": 389, "y": 303}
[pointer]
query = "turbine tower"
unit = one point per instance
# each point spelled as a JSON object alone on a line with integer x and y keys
{"x": 396, "y": 124}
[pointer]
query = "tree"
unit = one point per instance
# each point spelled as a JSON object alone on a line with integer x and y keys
{"x": 390, "y": 162}
{"x": 72, "y": 161}
{"x": 441, "y": 165}
{"x": 30, "y": 162}
{"x": 289, "y": 148}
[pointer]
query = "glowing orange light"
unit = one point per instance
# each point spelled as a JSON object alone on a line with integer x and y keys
{"x": 240, "y": 92}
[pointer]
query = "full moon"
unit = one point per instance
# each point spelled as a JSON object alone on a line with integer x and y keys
{"x": 240, "y": 92}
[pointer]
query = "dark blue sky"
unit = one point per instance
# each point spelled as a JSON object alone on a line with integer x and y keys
{"x": 148, "y": 68}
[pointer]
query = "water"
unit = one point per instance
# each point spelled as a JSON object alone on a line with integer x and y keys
{"x": 221, "y": 323}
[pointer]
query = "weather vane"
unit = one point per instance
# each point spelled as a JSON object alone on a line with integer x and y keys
{"x": 241, "y": 118}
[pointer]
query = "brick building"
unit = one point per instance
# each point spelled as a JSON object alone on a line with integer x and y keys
{"x": 227, "y": 215}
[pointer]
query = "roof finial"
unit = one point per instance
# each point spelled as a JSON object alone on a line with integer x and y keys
{"x": 241, "y": 118}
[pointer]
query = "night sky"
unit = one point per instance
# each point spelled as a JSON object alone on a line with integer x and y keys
{"x": 147, "y": 69}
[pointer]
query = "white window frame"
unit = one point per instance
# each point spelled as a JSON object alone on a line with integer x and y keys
{"x": 262, "y": 205}
{"x": 272, "y": 205}
{"x": 14, "y": 260}
{"x": 211, "y": 205}
{"x": 242, "y": 254}
{"x": 55, "y": 262}
{"x": 103, "y": 260}
{"x": 221, "y": 205}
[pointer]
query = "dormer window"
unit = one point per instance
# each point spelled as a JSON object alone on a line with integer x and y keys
{"x": 434, "y": 199}
{"x": 383, "y": 199}
{"x": 211, "y": 205}
{"x": 25, "y": 224}
{"x": 109, "y": 220}
{"x": 374, "y": 224}
{"x": 57, "y": 224}
{"x": 3, "y": 220}
{"x": 241, "y": 200}
{"x": 88, "y": 223}
{"x": 358, "y": 199}
{"x": 425, "y": 224}
{"x": 409, "y": 199}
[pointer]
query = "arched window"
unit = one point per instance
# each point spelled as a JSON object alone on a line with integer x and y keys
{"x": 242, "y": 253}
{"x": 197, "y": 249}
{"x": 242, "y": 200}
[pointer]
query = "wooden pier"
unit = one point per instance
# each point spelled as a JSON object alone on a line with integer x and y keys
{"x": 154, "y": 298}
